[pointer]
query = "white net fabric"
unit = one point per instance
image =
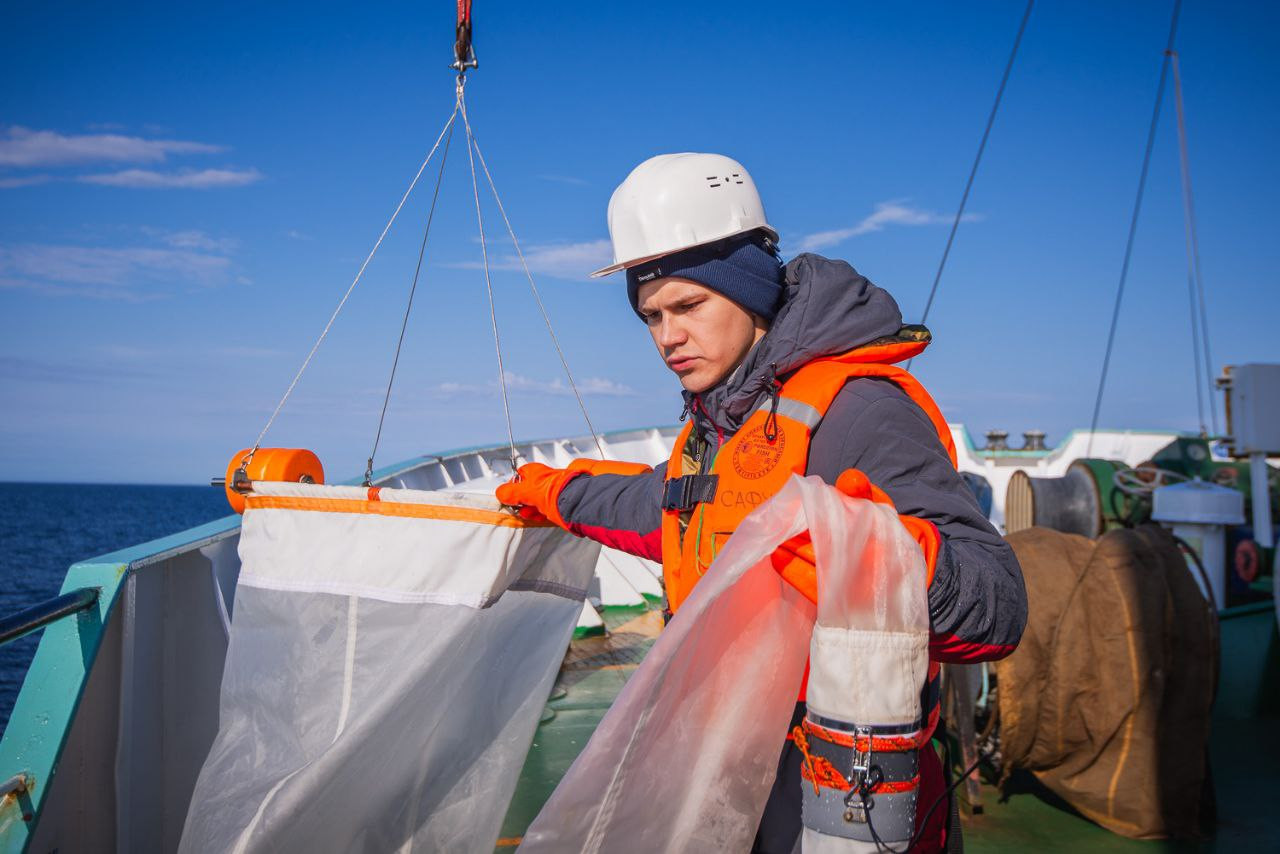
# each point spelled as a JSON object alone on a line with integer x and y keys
{"x": 369, "y": 701}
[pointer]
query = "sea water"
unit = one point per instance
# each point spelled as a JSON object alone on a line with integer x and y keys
{"x": 46, "y": 527}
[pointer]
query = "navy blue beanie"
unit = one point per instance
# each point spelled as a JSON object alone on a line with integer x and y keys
{"x": 744, "y": 269}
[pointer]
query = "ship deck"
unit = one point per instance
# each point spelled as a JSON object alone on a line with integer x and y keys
{"x": 1244, "y": 746}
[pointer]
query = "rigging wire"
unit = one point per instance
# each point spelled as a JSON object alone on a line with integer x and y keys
{"x": 1133, "y": 223}
{"x": 538, "y": 297}
{"x": 1195, "y": 281}
{"x": 488, "y": 282}
{"x": 465, "y": 58}
{"x": 431, "y": 214}
{"x": 342, "y": 302}
{"x": 977, "y": 160}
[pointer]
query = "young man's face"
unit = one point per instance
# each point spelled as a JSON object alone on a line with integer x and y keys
{"x": 701, "y": 335}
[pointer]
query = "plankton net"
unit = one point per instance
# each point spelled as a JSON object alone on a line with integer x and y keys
{"x": 391, "y": 649}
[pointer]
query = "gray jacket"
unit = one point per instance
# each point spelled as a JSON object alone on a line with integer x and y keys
{"x": 977, "y": 602}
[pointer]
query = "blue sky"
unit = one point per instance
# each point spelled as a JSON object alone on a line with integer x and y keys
{"x": 187, "y": 189}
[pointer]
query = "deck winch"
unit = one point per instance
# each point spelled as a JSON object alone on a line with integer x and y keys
{"x": 1087, "y": 500}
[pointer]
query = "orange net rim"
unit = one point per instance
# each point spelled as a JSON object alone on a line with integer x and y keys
{"x": 373, "y": 506}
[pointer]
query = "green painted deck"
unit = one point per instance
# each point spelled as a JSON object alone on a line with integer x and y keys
{"x": 593, "y": 673}
{"x": 1245, "y": 747}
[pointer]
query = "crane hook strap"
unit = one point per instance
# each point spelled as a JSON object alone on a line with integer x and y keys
{"x": 464, "y": 54}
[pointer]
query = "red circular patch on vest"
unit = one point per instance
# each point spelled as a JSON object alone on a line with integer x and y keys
{"x": 755, "y": 456}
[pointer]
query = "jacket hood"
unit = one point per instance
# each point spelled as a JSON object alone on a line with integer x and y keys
{"x": 827, "y": 308}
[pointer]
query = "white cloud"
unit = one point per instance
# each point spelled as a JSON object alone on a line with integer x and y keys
{"x": 14, "y": 369}
{"x": 24, "y": 148}
{"x": 62, "y": 289}
{"x": 132, "y": 353}
{"x": 520, "y": 384}
{"x": 576, "y": 260}
{"x": 559, "y": 260}
{"x": 602, "y": 387}
{"x": 146, "y": 179}
{"x": 24, "y": 181}
{"x": 886, "y": 213}
{"x": 20, "y": 146}
{"x": 128, "y": 352}
{"x": 134, "y": 274}
{"x": 194, "y": 239}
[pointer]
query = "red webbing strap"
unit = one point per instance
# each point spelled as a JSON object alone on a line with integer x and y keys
{"x": 462, "y": 45}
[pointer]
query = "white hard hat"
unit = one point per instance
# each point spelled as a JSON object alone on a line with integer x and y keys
{"x": 676, "y": 201}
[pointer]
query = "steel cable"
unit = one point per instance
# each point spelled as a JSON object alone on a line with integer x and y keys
{"x": 977, "y": 160}
{"x": 555, "y": 342}
{"x": 1195, "y": 281}
{"x": 488, "y": 282}
{"x": 404, "y": 324}
{"x": 342, "y": 302}
{"x": 1133, "y": 224}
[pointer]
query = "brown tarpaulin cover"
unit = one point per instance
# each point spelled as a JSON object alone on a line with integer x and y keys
{"x": 1107, "y": 699}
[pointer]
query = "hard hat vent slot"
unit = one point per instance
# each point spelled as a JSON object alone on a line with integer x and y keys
{"x": 716, "y": 180}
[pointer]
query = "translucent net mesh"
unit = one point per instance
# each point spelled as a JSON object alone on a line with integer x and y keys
{"x": 685, "y": 758}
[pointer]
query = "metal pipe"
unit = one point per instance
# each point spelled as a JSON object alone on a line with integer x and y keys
{"x": 1258, "y": 471}
{"x": 40, "y": 615}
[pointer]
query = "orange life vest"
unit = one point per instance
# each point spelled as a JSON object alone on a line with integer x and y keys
{"x": 701, "y": 511}
{"x": 772, "y": 445}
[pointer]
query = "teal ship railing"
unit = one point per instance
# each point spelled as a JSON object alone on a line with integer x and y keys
{"x": 75, "y": 624}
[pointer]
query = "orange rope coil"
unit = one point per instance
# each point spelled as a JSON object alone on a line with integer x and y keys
{"x": 879, "y": 744}
{"x": 819, "y": 770}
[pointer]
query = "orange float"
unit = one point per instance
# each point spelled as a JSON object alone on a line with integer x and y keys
{"x": 288, "y": 465}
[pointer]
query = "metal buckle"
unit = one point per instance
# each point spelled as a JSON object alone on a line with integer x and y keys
{"x": 861, "y": 758}
{"x": 862, "y": 779}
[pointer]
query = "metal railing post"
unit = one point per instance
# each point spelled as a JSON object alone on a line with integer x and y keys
{"x": 42, "y": 614}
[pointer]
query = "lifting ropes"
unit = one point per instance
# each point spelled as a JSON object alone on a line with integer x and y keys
{"x": 1133, "y": 223}
{"x": 1195, "y": 282}
{"x": 464, "y": 59}
{"x": 977, "y": 161}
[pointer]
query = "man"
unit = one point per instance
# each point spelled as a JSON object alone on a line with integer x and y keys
{"x": 785, "y": 370}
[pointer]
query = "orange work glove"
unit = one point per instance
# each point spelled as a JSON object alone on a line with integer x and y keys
{"x": 536, "y": 487}
{"x": 794, "y": 560}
